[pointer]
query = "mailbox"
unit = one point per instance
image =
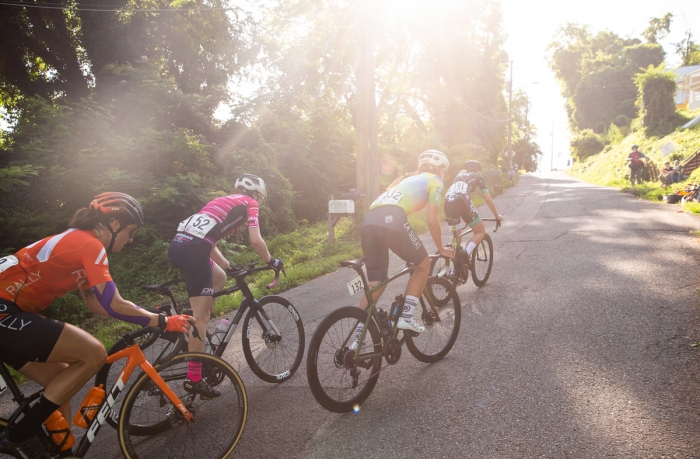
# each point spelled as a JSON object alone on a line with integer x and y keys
{"x": 341, "y": 206}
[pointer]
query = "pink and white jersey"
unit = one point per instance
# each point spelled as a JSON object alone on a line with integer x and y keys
{"x": 228, "y": 213}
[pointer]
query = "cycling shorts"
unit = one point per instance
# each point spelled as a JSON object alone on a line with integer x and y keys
{"x": 192, "y": 256}
{"x": 386, "y": 228}
{"x": 26, "y": 337}
{"x": 464, "y": 208}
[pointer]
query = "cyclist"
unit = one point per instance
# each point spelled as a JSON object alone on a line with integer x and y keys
{"x": 56, "y": 355}
{"x": 459, "y": 204}
{"x": 386, "y": 227}
{"x": 193, "y": 250}
{"x": 636, "y": 161}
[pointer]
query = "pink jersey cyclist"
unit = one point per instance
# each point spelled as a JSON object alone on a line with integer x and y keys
{"x": 194, "y": 251}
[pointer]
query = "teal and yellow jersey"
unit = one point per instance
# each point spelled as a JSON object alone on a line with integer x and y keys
{"x": 413, "y": 193}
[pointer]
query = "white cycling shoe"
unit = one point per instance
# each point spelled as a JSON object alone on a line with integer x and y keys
{"x": 410, "y": 325}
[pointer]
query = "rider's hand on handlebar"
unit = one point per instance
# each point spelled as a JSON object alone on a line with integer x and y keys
{"x": 446, "y": 252}
{"x": 276, "y": 264}
{"x": 179, "y": 323}
{"x": 499, "y": 218}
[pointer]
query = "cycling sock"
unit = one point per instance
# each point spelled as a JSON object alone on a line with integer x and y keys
{"x": 358, "y": 333}
{"x": 29, "y": 424}
{"x": 470, "y": 247}
{"x": 409, "y": 305}
{"x": 194, "y": 371}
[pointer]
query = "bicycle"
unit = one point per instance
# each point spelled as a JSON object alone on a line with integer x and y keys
{"x": 457, "y": 270}
{"x": 158, "y": 418}
{"x": 273, "y": 338}
{"x": 341, "y": 378}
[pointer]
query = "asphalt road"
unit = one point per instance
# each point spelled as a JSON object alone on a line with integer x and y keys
{"x": 579, "y": 346}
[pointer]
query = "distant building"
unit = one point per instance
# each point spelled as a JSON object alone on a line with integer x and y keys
{"x": 688, "y": 87}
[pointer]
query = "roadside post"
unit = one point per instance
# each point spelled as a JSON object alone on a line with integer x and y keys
{"x": 338, "y": 208}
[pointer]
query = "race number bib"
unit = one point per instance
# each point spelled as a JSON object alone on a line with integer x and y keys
{"x": 8, "y": 262}
{"x": 458, "y": 188}
{"x": 197, "y": 225}
{"x": 389, "y": 198}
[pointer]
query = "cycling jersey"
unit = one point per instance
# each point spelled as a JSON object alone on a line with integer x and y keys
{"x": 465, "y": 184}
{"x": 51, "y": 267}
{"x": 221, "y": 217}
{"x": 413, "y": 193}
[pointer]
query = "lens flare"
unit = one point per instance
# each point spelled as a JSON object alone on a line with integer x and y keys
{"x": 356, "y": 408}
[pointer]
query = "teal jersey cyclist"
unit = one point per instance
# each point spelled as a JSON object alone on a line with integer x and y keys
{"x": 458, "y": 201}
{"x": 386, "y": 227}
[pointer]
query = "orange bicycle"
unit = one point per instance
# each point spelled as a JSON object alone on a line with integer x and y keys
{"x": 158, "y": 418}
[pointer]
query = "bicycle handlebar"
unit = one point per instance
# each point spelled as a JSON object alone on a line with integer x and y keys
{"x": 243, "y": 271}
{"x": 498, "y": 222}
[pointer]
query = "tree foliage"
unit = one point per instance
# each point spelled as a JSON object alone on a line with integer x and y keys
{"x": 657, "y": 88}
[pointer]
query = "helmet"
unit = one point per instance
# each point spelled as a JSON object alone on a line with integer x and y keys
{"x": 120, "y": 206}
{"x": 434, "y": 158}
{"x": 252, "y": 182}
{"x": 473, "y": 166}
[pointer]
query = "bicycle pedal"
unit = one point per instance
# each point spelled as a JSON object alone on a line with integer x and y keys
{"x": 412, "y": 334}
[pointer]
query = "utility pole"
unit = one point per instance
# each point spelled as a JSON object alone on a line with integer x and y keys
{"x": 509, "y": 152}
{"x": 551, "y": 164}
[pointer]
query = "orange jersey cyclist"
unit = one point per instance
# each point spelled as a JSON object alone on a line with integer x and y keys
{"x": 193, "y": 250}
{"x": 56, "y": 355}
{"x": 458, "y": 201}
{"x": 386, "y": 227}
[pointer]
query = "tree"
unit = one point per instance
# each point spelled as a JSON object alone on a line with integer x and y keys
{"x": 688, "y": 50}
{"x": 658, "y": 28}
{"x": 657, "y": 88}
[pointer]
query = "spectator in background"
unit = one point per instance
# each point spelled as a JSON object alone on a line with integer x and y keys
{"x": 636, "y": 161}
{"x": 678, "y": 172}
{"x": 667, "y": 176}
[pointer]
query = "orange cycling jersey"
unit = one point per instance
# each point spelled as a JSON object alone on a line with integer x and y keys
{"x": 51, "y": 267}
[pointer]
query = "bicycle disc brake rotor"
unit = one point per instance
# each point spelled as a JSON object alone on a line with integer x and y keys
{"x": 393, "y": 351}
{"x": 428, "y": 319}
{"x": 271, "y": 341}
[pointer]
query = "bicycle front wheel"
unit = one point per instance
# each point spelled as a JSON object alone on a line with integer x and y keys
{"x": 441, "y": 324}
{"x": 168, "y": 345}
{"x": 482, "y": 261}
{"x": 218, "y": 422}
{"x": 338, "y": 382}
{"x": 273, "y": 341}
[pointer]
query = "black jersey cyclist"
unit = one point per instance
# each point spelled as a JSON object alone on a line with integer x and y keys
{"x": 56, "y": 355}
{"x": 458, "y": 202}
{"x": 386, "y": 227}
{"x": 193, "y": 250}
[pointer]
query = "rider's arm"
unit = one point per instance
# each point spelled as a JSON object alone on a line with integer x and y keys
{"x": 104, "y": 299}
{"x": 258, "y": 243}
{"x": 492, "y": 206}
{"x": 218, "y": 258}
{"x": 436, "y": 231}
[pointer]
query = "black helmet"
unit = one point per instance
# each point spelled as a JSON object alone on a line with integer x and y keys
{"x": 473, "y": 166}
{"x": 120, "y": 206}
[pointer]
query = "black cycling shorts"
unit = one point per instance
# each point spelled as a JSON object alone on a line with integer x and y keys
{"x": 26, "y": 337}
{"x": 386, "y": 228}
{"x": 192, "y": 256}
{"x": 462, "y": 208}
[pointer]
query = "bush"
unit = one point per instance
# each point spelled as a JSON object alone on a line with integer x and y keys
{"x": 586, "y": 143}
{"x": 657, "y": 109}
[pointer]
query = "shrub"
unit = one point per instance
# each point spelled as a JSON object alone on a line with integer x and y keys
{"x": 586, "y": 143}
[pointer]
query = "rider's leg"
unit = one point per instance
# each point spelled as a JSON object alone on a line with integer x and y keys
{"x": 43, "y": 374}
{"x": 201, "y": 305}
{"x": 477, "y": 237}
{"x": 414, "y": 289}
{"x": 84, "y": 356}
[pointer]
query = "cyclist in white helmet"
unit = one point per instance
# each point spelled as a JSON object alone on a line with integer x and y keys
{"x": 386, "y": 227}
{"x": 194, "y": 251}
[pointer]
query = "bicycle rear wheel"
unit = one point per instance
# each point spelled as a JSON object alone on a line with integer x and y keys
{"x": 274, "y": 357}
{"x": 218, "y": 423}
{"x": 482, "y": 261}
{"x": 337, "y": 381}
{"x": 163, "y": 349}
{"x": 440, "y": 332}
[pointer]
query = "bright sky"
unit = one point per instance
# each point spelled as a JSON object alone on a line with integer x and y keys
{"x": 531, "y": 25}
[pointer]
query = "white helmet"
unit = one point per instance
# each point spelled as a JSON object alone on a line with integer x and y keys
{"x": 251, "y": 182}
{"x": 434, "y": 158}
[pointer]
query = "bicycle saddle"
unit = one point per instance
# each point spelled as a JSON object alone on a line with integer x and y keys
{"x": 452, "y": 221}
{"x": 357, "y": 263}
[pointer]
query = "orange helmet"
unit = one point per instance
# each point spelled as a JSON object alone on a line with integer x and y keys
{"x": 119, "y": 206}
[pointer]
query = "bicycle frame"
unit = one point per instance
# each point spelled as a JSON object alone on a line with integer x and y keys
{"x": 135, "y": 358}
{"x": 372, "y": 310}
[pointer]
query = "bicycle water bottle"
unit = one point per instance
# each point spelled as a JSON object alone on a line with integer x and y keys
{"x": 57, "y": 427}
{"x": 220, "y": 332}
{"x": 88, "y": 409}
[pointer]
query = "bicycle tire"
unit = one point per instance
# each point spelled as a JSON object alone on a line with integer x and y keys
{"x": 163, "y": 349}
{"x": 439, "y": 336}
{"x": 329, "y": 379}
{"x": 482, "y": 261}
{"x": 218, "y": 423}
{"x": 274, "y": 358}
